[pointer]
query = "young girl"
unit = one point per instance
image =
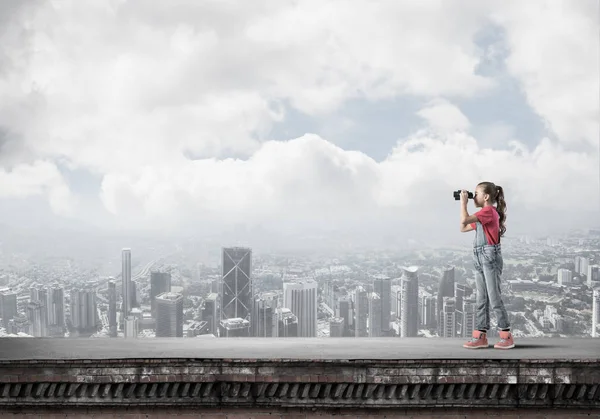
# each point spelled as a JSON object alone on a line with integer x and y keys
{"x": 488, "y": 224}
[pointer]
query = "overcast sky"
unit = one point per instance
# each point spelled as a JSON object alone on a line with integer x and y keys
{"x": 300, "y": 115}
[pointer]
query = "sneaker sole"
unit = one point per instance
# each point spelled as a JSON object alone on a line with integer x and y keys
{"x": 476, "y": 347}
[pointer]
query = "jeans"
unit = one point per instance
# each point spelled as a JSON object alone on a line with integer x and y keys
{"x": 488, "y": 270}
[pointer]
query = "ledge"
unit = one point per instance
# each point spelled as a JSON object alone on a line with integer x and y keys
{"x": 298, "y": 373}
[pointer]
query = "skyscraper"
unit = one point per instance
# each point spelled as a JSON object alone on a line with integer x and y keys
{"x": 593, "y": 276}
{"x": 160, "y": 282}
{"x": 595, "y": 312}
{"x": 445, "y": 289}
{"x": 375, "y": 306}
{"x": 210, "y": 313}
{"x": 169, "y": 315}
{"x": 361, "y": 312}
{"x": 287, "y": 323}
{"x": 84, "y": 315}
{"x": 236, "y": 283}
{"x": 126, "y": 278}
{"x": 9, "y": 306}
{"x": 409, "y": 324}
{"x": 382, "y": 285}
{"x": 301, "y": 298}
{"x": 336, "y": 327}
{"x": 448, "y": 318}
{"x": 263, "y": 315}
{"x": 56, "y": 307}
{"x": 38, "y": 316}
{"x": 112, "y": 308}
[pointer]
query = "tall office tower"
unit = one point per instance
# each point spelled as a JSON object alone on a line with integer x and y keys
{"x": 445, "y": 289}
{"x": 382, "y": 285}
{"x": 427, "y": 309}
{"x": 40, "y": 294}
{"x": 301, "y": 298}
{"x": 38, "y": 316}
{"x": 287, "y": 323}
{"x": 565, "y": 277}
{"x": 448, "y": 318}
{"x": 375, "y": 306}
{"x": 9, "y": 306}
{"x": 126, "y": 278}
{"x": 336, "y": 327}
{"x": 84, "y": 312}
{"x": 112, "y": 308}
{"x": 361, "y": 312}
{"x": 56, "y": 307}
{"x": 160, "y": 282}
{"x": 131, "y": 327}
{"x": 595, "y": 312}
{"x": 169, "y": 315}
{"x": 210, "y": 313}
{"x": 396, "y": 300}
{"x": 409, "y": 324}
{"x": 345, "y": 312}
{"x": 263, "y": 315}
{"x": 468, "y": 318}
{"x": 581, "y": 265}
{"x": 593, "y": 276}
{"x": 461, "y": 292}
{"x": 236, "y": 283}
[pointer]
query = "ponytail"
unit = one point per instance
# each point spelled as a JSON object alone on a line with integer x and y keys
{"x": 501, "y": 209}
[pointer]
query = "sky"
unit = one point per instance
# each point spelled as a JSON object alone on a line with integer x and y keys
{"x": 297, "y": 116}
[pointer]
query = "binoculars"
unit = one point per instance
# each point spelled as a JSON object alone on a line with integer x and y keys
{"x": 457, "y": 195}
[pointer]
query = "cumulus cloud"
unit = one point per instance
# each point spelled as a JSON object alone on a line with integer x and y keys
{"x": 173, "y": 105}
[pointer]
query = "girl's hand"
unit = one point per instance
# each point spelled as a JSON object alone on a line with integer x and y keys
{"x": 464, "y": 196}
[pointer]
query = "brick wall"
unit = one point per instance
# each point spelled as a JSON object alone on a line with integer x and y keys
{"x": 299, "y": 414}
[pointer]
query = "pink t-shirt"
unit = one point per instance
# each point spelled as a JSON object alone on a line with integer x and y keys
{"x": 490, "y": 221}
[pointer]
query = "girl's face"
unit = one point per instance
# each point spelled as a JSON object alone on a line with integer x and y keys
{"x": 479, "y": 197}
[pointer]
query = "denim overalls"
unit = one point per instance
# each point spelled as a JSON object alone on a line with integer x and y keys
{"x": 488, "y": 268}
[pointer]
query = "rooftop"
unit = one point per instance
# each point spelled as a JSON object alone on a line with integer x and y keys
{"x": 293, "y": 348}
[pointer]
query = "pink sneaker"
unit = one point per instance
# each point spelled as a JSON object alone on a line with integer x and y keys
{"x": 478, "y": 341}
{"x": 506, "y": 341}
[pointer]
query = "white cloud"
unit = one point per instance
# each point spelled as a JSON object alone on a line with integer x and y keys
{"x": 154, "y": 98}
{"x": 554, "y": 53}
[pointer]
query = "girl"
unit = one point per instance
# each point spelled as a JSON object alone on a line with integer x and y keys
{"x": 488, "y": 224}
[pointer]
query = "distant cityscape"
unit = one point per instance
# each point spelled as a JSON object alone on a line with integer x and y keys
{"x": 551, "y": 288}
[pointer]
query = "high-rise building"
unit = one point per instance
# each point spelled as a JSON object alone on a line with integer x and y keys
{"x": 593, "y": 276}
{"x": 375, "y": 306}
{"x": 445, "y": 289}
{"x": 468, "y": 318}
{"x": 427, "y": 306}
{"x": 581, "y": 265}
{"x": 160, "y": 282}
{"x": 126, "y": 278}
{"x": 236, "y": 283}
{"x": 565, "y": 276}
{"x": 263, "y": 315}
{"x": 56, "y": 306}
{"x": 345, "y": 312}
{"x": 448, "y": 318}
{"x": 169, "y": 315}
{"x": 595, "y": 312}
{"x": 336, "y": 327}
{"x": 361, "y": 312}
{"x": 382, "y": 285}
{"x": 301, "y": 298}
{"x": 461, "y": 293}
{"x": 409, "y": 325}
{"x": 287, "y": 323}
{"x": 131, "y": 327}
{"x": 210, "y": 313}
{"x": 38, "y": 316}
{"x": 112, "y": 308}
{"x": 84, "y": 312}
{"x": 8, "y": 300}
